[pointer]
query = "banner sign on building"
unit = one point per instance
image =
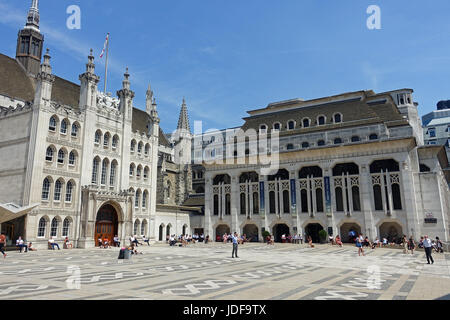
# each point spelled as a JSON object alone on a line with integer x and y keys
{"x": 293, "y": 197}
{"x": 261, "y": 198}
{"x": 326, "y": 181}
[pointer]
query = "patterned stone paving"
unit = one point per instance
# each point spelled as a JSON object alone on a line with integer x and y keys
{"x": 200, "y": 271}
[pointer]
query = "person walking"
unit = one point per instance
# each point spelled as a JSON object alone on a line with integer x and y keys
{"x": 359, "y": 244}
{"x": 235, "y": 240}
{"x": 411, "y": 245}
{"x": 405, "y": 245}
{"x": 428, "y": 249}
{"x": 2, "y": 244}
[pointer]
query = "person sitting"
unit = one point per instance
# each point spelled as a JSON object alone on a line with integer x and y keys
{"x": 116, "y": 241}
{"x": 144, "y": 238}
{"x": 310, "y": 242}
{"x": 331, "y": 240}
{"x": 420, "y": 245}
{"x": 67, "y": 244}
{"x": 225, "y": 238}
{"x": 207, "y": 239}
{"x": 338, "y": 241}
{"x": 21, "y": 245}
{"x": 135, "y": 241}
{"x": 53, "y": 244}
{"x": 100, "y": 242}
{"x": 283, "y": 238}
{"x": 106, "y": 243}
{"x": 385, "y": 242}
{"x": 30, "y": 247}
{"x": 366, "y": 242}
{"x": 376, "y": 243}
{"x": 439, "y": 246}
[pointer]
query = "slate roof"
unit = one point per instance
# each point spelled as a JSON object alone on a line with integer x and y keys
{"x": 66, "y": 92}
{"x": 14, "y": 81}
{"x": 140, "y": 119}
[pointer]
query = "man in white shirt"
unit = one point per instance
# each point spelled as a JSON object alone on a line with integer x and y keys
{"x": 428, "y": 249}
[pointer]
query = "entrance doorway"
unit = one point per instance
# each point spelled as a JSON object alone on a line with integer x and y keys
{"x": 251, "y": 232}
{"x": 312, "y": 230}
{"x": 106, "y": 225}
{"x": 13, "y": 230}
{"x": 345, "y": 232}
{"x": 392, "y": 231}
{"x": 221, "y": 230}
{"x": 279, "y": 230}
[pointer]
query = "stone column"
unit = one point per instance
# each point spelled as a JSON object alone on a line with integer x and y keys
{"x": 235, "y": 199}
{"x": 366, "y": 191}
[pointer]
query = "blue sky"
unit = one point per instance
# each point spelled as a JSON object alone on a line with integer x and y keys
{"x": 228, "y": 57}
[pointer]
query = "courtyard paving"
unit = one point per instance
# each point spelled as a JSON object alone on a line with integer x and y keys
{"x": 282, "y": 271}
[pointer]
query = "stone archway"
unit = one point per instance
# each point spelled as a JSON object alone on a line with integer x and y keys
{"x": 278, "y": 230}
{"x": 345, "y": 230}
{"x": 392, "y": 231}
{"x": 161, "y": 231}
{"x": 106, "y": 224}
{"x": 251, "y": 232}
{"x": 312, "y": 230}
{"x": 221, "y": 230}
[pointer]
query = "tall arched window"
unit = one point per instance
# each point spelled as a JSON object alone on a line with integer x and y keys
{"x": 143, "y": 227}
{"x": 305, "y": 123}
{"x": 133, "y": 145}
{"x": 136, "y": 227}
{"x": 286, "y": 205}
{"x": 243, "y": 204}
{"x": 291, "y": 125}
{"x": 276, "y": 126}
{"x": 105, "y": 165}
{"x": 95, "y": 171}
{"x": 146, "y": 171}
{"x": 41, "y": 228}
{"x": 74, "y": 130}
{"x": 72, "y": 158}
{"x": 54, "y": 228}
{"x": 228, "y": 204}
{"x": 131, "y": 170}
{"x": 69, "y": 191}
{"x": 339, "y": 199}
{"x": 66, "y": 227}
{"x": 115, "y": 142}
{"x": 140, "y": 145}
{"x": 61, "y": 156}
{"x": 144, "y": 200}
{"x": 46, "y": 189}
{"x": 319, "y": 200}
{"x": 63, "y": 129}
{"x": 112, "y": 177}
{"x": 49, "y": 154}
{"x": 271, "y": 202}
{"x": 147, "y": 149}
{"x": 255, "y": 203}
{"x": 137, "y": 199}
{"x": 97, "y": 138}
{"x": 304, "y": 198}
{"x": 378, "y": 197}
{"x": 396, "y": 197}
{"x": 106, "y": 140}
{"x": 321, "y": 120}
{"x": 356, "y": 200}
{"x": 337, "y": 118}
{"x": 57, "y": 194}
{"x": 52, "y": 124}
{"x": 216, "y": 205}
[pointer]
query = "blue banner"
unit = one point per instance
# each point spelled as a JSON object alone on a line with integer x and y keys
{"x": 293, "y": 197}
{"x": 326, "y": 181}
{"x": 261, "y": 198}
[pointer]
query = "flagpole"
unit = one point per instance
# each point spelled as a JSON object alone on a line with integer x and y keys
{"x": 106, "y": 64}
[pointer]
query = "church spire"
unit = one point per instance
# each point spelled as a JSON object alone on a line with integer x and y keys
{"x": 183, "y": 120}
{"x": 33, "y": 16}
{"x": 149, "y": 101}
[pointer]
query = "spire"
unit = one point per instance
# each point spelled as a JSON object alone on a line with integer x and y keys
{"x": 33, "y": 16}
{"x": 126, "y": 81}
{"x": 183, "y": 120}
{"x": 149, "y": 100}
{"x": 90, "y": 66}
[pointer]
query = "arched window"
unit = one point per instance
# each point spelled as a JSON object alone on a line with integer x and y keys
{"x": 337, "y": 141}
{"x": 58, "y": 188}
{"x": 72, "y": 158}
{"x": 41, "y": 228}
{"x": 95, "y": 170}
{"x": 271, "y": 202}
{"x": 290, "y": 146}
{"x": 112, "y": 176}
{"x": 49, "y": 154}
{"x": 52, "y": 124}
{"x": 319, "y": 200}
{"x": 66, "y": 227}
{"x": 140, "y": 145}
{"x": 106, "y": 140}
{"x": 356, "y": 200}
{"x": 286, "y": 205}
{"x": 146, "y": 171}
{"x": 54, "y": 228}
{"x": 373, "y": 136}
{"x": 337, "y": 118}
{"x": 46, "y": 189}
{"x": 97, "y": 138}
{"x": 61, "y": 156}
{"x": 216, "y": 205}
{"x": 137, "y": 199}
{"x": 377, "y": 197}
{"x": 115, "y": 142}
{"x": 263, "y": 128}
{"x": 136, "y": 227}
{"x": 339, "y": 199}
{"x": 291, "y": 125}
{"x": 228, "y": 204}
{"x": 321, "y": 143}
{"x": 147, "y": 149}
{"x": 305, "y": 145}
{"x": 131, "y": 170}
{"x": 144, "y": 199}
{"x": 143, "y": 227}
{"x": 276, "y": 126}
{"x": 138, "y": 172}
{"x": 355, "y": 139}
{"x": 306, "y": 123}
{"x": 304, "y": 199}
{"x": 105, "y": 165}
{"x": 74, "y": 132}
{"x": 243, "y": 204}
{"x": 69, "y": 191}
{"x": 63, "y": 129}
{"x": 396, "y": 197}
{"x": 255, "y": 203}
{"x": 321, "y": 120}
{"x": 133, "y": 146}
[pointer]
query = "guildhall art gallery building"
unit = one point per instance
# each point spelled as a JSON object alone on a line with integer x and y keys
{"x": 80, "y": 163}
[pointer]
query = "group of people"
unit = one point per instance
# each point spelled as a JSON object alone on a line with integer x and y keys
{"x": 229, "y": 238}
{"x": 184, "y": 240}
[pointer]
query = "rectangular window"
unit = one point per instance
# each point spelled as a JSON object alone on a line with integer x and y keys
{"x": 432, "y": 132}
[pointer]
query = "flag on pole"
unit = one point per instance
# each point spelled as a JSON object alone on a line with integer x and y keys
{"x": 105, "y": 45}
